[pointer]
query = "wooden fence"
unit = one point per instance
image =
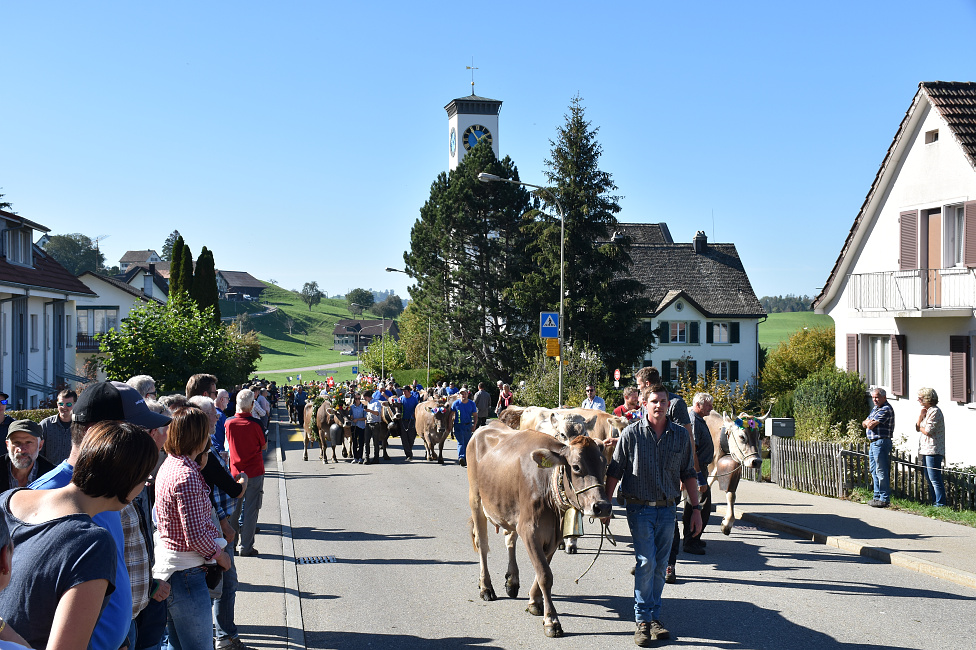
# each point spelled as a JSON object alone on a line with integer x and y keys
{"x": 832, "y": 470}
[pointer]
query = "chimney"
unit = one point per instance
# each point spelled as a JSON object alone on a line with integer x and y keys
{"x": 147, "y": 280}
{"x": 700, "y": 242}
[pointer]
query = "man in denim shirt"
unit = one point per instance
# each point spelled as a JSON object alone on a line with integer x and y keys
{"x": 652, "y": 461}
{"x": 879, "y": 427}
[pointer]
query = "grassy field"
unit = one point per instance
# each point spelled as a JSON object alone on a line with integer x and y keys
{"x": 778, "y": 327}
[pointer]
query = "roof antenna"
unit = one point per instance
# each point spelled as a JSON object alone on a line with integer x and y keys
{"x": 472, "y": 69}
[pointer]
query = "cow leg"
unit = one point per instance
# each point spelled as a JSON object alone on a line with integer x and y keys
{"x": 512, "y": 574}
{"x": 540, "y": 553}
{"x": 729, "y": 520}
{"x": 572, "y": 545}
{"x": 479, "y": 538}
{"x": 305, "y": 445}
{"x": 440, "y": 453}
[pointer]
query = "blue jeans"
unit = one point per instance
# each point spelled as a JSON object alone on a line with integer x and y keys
{"x": 463, "y": 435}
{"x": 151, "y": 625}
{"x": 879, "y": 463}
{"x": 223, "y": 607}
{"x": 652, "y": 530}
{"x": 189, "y": 621}
{"x": 933, "y": 472}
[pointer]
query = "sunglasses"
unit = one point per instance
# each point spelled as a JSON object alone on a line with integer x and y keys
{"x": 66, "y": 403}
{"x": 5, "y": 402}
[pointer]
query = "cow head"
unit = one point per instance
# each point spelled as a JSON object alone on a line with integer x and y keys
{"x": 442, "y": 417}
{"x": 743, "y": 436}
{"x": 585, "y": 473}
{"x": 565, "y": 426}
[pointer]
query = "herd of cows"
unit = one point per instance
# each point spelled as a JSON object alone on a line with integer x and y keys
{"x": 526, "y": 470}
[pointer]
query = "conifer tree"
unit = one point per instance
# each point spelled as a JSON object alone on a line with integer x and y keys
{"x": 176, "y": 267}
{"x": 204, "y": 290}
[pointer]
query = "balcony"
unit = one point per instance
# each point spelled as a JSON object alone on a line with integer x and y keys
{"x": 916, "y": 292}
{"x": 86, "y": 343}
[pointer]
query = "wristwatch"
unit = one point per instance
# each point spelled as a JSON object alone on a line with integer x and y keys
{"x": 696, "y": 507}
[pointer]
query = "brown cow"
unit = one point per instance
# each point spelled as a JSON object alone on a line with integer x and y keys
{"x": 734, "y": 447}
{"x": 523, "y": 481}
{"x": 435, "y": 421}
{"x": 319, "y": 417}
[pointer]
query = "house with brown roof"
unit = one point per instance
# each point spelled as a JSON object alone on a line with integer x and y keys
{"x": 145, "y": 257}
{"x": 902, "y": 292}
{"x": 235, "y": 285}
{"x": 37, "y": 312}
{"x": 353, "y": 335}
{"x": 150, "y": 279}
{"x": 705, "y": 312}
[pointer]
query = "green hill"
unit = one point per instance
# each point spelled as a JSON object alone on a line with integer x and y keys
{"x": 778, "y": 327}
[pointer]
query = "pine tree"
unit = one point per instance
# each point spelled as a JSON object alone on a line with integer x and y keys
{"x": 204, "y": 291}
{"x": 168, "y": 246}
{"x": 603, "y": 305}
{"x": 176, "y": 267}
{"x": 186, "y": 270}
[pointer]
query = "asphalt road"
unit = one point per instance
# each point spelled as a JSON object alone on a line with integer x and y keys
{"x": 406, "y": 576}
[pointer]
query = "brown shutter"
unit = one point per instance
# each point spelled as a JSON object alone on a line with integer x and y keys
{"x": 899, "y": 383}
{"x": 852, "y": 352}
{"x": 969, "y": 234}
{"x": 959, "y": 368}
{"x": 908, "y": 240}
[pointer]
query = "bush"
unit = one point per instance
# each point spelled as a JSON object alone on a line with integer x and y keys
{"x": 806, "y": 352}
{"x": 541, "y": 378}
{"x": 34, "y": 415}
{"x": 783, "y": 406}
{"x": 385, "y": 355}
{"x": 827, "y": 401}
{"x": 726, "y": 397}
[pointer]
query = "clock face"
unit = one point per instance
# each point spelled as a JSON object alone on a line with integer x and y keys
{"x": 475, "y": 134}
{"x": 453, "y": 142}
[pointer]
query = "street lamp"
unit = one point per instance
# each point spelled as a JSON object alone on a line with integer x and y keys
{"x": 485, "y": 177}
{"x": 390, "y": 269}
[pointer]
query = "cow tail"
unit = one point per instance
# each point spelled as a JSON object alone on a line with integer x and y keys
{"x": 474, "y": 534}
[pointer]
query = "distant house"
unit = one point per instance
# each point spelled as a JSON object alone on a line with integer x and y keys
{"x": 705, "y": 312}
{"x": 148, "y": 280}
{"x": 902, "y": 292}
{"x": 138, "y": 257}
{"x": 37, "y": 309}
{"x": 234, "y": 285}
{"x": 100, "y": 313}
{"x": 350, "y": 333}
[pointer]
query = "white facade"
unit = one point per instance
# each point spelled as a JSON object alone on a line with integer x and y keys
{"x": 899, "y": 300}
{"x": 470, "y": 119}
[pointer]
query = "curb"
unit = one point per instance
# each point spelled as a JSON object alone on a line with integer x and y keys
{"x": 887, "y": 556}
{"x": 289, "y": 568}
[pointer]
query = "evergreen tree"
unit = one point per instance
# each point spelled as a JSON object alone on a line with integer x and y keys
{"x": 603, "y": 304}
{"x": 6, "y": 205}
{"x": 175, "y": 267}
{"x": 466, "y": 252}
{"x": 186, "y": 270}
{"x": 204, "y": 290}
{"x": 168, "y": 246}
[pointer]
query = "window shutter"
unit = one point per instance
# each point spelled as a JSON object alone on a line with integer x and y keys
{"x": 908, "y": 240}
{"x": 664, "y": 332}
{"x": 708, "y": 332}
{"x": 898, "y": 375}
{"x": 665, "y": 371}
{"x": 733, "y": 332}
{"x": 958, "y": 368}
{"x": 693, "y": 336}
{"x": 852, "y": 352}
{"x": 647, "y": 363}
{"x": 733, "y": 371}
{"x": 691, "y": 369}
{"x": 969, "y": 234}
{"x": 709, "y": 366}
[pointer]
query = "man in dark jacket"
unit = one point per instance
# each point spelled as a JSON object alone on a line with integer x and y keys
{"x": 23, "y": 463}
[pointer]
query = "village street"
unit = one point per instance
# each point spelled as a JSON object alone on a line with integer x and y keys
{"x": 405, "y": 575}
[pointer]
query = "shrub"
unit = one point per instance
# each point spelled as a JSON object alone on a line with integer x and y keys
{"x": 34, "y": 415}
{"x": 726, "y": 397}
{"x": 541, "y": 378}
{"x": 806, "y": 352}
{"x": 827, "y": 401}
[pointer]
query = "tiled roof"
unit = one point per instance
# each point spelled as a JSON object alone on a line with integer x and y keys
{"x": 116, "y": 282}
{"x": 162, "y": 268}
{"x": 644, "y": 233}
{"x": 242, "y": 279}
{"x": 160, "y": 280}
{"x": 137, "y": 256}
{"x": 369, "y": 327}
{"x": 714, "y": 280}
{"x": 956, "y": 103}
{"x": 46, "y": 274}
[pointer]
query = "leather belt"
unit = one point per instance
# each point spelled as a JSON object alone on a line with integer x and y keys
{"x": 665, "y": 503}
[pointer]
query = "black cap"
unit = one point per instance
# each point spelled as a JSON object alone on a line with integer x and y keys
{"x": 26, "y": 426}
{"x": 113, "y": 400}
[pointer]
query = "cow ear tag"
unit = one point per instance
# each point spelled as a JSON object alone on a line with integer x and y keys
{"x": 543, "y": 462}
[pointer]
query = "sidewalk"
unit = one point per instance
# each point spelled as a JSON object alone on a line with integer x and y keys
{"x": 936, "y": 548}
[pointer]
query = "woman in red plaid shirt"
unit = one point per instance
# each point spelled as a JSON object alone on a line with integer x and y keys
{"x": 188, "y": 537}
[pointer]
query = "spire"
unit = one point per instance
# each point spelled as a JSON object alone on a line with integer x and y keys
{"x": 472, "y": 69}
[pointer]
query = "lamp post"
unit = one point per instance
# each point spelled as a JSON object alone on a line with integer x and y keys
{"x": 390, "y": 269}
{"x": 485, "y": 177}
{"x": 359, "y": 328}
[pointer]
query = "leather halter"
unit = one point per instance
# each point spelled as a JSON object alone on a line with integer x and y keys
{"x": 563, "y": 502}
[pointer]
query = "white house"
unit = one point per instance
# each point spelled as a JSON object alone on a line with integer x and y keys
{"x": 97, "y": 314}
{"x": 37, "y": 309}
{"x": 145, "y": 258}
{"x": 902, "y": 292}
{"x": 706, "y": 313}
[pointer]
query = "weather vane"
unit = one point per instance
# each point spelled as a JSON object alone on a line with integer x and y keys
{"x": 472, "y": 69}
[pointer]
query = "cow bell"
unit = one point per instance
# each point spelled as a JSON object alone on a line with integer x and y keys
{"x": 573, "y": 523}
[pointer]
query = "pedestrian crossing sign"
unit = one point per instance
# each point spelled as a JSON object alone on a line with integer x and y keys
{"x": 549, "y": 325}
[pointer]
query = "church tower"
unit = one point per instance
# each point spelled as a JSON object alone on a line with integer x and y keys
{"x": 470, "y": 120}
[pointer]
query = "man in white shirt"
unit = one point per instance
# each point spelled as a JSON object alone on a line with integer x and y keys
{"x": 593, "y": 401}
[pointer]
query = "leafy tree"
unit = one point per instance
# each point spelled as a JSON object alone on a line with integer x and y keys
{"x": 384, "y": 352}
{"x": 787, "y": 303}
{"x": 204, "y": 290}
{"x": 467, "y": 250}
{"x": 806, "y": 352}
{"x": 389, "y": 308}
{"x": 414, "y": 334}
{"x": 826, "y": 401}
{"x": 176, "y": 340}
{"x": 362, "y": 297}
{"x": 75, "y": 252}
{"x": 311, "y": 295}
{"x": 168, "y": 245}
{"x": 541, "y": 377}
{"x": 176, "y": 267}
{"x": 603, "y": 304}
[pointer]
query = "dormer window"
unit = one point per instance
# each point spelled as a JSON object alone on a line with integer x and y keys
{"x": 19, "y": 241}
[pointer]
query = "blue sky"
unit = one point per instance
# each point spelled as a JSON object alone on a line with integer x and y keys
{"x": 298, "y": 140}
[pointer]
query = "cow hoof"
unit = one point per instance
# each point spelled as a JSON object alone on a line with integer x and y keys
{"x": 562, "y": 546}
{"x": 440, "y": 462}
{"x": 488, "y": 594}
{"x": 344, "y": 454}
{"x": 554, "y": 630}
{"x": 534, "y": 609}
{"x": 571, "y": 550}
{"x": 305, "y": 457}
{"x": 511, "y": 588}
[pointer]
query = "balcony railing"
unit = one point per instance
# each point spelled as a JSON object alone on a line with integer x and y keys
{"x": 913, "y": 290}
{"x": 86, "y": 343}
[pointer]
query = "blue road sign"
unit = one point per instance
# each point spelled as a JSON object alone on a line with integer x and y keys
{"x": 549, "y": 325}
{"x": 355, "y": 370}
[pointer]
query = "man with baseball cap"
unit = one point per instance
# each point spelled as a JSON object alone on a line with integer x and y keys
{"x": 107, "y": 400}
{"x": 5, "y": 420}
{"x": 23, "y": 463}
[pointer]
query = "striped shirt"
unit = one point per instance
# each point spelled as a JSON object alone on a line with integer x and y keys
{"x": 651, "y": 469}
{"x": 885, "y": 416}
{"x": 183, "y": 509}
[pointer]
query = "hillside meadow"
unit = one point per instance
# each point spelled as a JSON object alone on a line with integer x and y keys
{"x": 778, "y": 327}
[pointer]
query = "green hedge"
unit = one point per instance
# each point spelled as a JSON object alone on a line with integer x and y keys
{"x": 829, "y": 398}
{"x": 35, "y": 415}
